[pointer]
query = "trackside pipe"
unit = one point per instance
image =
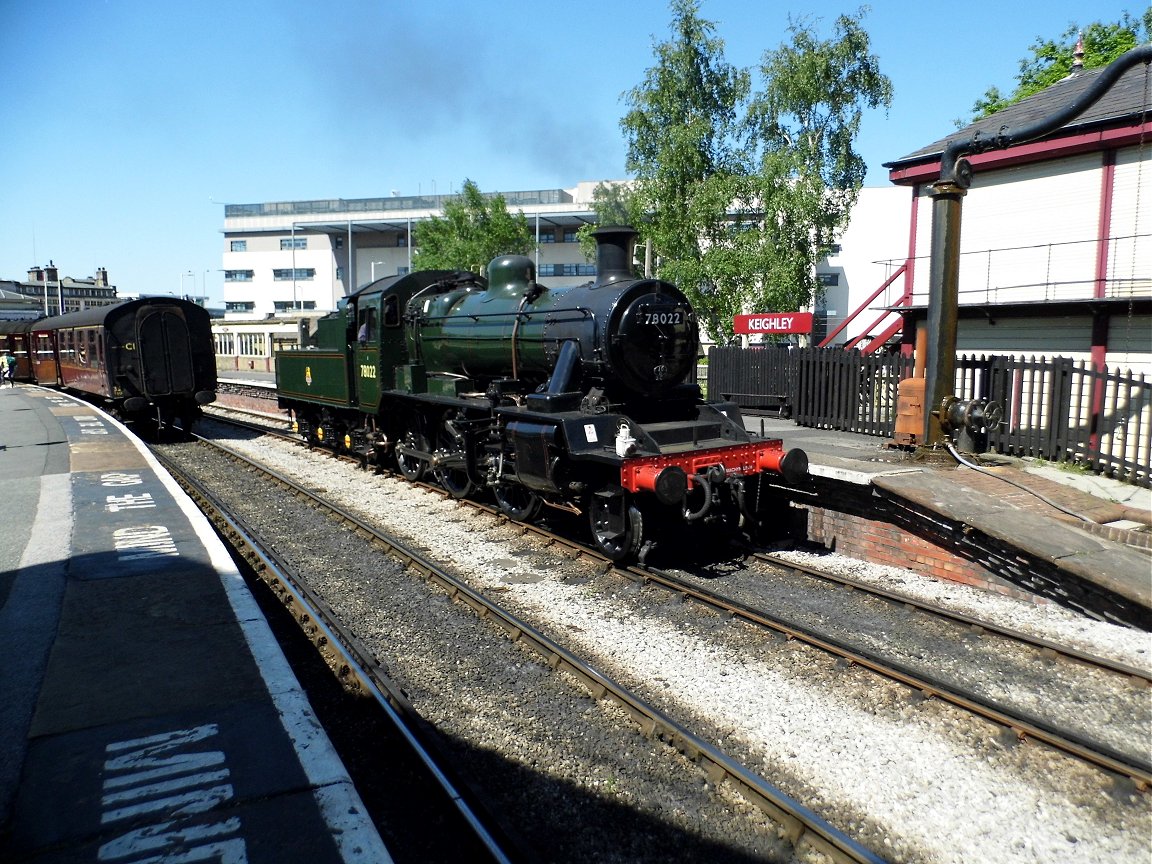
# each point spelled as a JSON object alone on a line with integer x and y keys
{"x": 948, "y": 193}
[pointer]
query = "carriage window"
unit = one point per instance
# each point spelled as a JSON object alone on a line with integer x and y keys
{"x": 392, "y": 312}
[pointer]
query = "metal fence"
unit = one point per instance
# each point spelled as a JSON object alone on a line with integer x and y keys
{"x": 1054, "y": 408}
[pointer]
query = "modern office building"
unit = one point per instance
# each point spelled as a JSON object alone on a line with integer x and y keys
{"x": 290, "y": 256}
{"x": 282, "y": 259}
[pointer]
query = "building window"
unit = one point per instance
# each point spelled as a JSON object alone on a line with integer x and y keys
{"x": 289, "y": 305}
{"x": 828, "y": 280}
{"x": 338, "y": 241}
{"x": 293, "y": 242}
{"x": 239, "y": 305}
{"x": 239, "y": 275}
{"x": 567, "y": 270}
{"x": 224, "y": 343}
{"x": 252, "y": 344}
{"x": 239, "y": 246}
{"x": 831, "y": 249}
{"x": 301, "y": 274}
{"x": 570, "y": 236}
{"x": 547, "y": 237}
{"x": 401, "y": 239}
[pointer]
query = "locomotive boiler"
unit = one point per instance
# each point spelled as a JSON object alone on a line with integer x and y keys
{"x": 580, "y": 398}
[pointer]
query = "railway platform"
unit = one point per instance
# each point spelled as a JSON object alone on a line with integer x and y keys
{"x": 1089, "y": 538}
{"x": 147, "y": 713}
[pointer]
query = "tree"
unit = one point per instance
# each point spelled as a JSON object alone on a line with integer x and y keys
{"x": 1051, "y": 60}
{"x": 682, "y": 143}
{"x": 472, "y": 232}
{"x": 801, "y": 132}
{"x": 613, "y": 204}
{"x": 743, "y": 192}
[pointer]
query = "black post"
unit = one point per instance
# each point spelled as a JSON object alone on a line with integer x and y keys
{"x": 947, "y": 192}
{"x": 943, "y": 305}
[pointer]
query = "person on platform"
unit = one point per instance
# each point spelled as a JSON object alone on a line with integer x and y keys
{"x": 8, "y": 369}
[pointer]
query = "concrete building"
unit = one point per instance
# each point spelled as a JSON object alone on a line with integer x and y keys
{"x": 46, "y": 292}
{"x": 286, "y": 259}
{"x": 306, "y": 255}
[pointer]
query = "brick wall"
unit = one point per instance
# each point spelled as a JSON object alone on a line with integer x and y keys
{"x": 880, "y": 542}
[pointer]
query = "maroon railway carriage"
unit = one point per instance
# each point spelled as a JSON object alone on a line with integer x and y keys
{"x": 14, "y": 338}
{"x": 150, "y": 359}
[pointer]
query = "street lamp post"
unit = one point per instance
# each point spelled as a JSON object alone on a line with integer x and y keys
{"x": 182, "y": 277}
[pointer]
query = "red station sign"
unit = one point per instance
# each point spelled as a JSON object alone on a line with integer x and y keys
{"x": 773, "y": 322}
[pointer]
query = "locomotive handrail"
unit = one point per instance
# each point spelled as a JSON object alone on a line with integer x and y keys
{"x": 527, "y": 314}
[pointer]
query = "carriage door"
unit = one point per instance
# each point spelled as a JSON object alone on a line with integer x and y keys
{"x": 165, "y": 352}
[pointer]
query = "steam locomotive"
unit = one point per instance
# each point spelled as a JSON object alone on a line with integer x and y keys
{"x": 149, "y": 360}
{"x": 582, "y": 399}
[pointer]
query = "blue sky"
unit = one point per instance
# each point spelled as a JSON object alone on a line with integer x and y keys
{"x": 128, "y": 124}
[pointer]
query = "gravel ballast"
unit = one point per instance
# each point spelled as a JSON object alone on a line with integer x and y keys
{"x": 914, "y": 781}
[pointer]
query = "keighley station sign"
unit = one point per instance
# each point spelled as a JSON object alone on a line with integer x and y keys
{"x": 773, "y": 322}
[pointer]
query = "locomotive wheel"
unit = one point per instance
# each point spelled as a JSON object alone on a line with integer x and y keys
{"x": 410, "y": 466}
{"x": 454, "y": 480}
{"x": 616, "y": 545}
{"x": 517, "y": 502}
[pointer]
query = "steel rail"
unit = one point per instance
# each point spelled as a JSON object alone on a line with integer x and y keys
{"x": 1139, "y": 676}
{"x": 344, "y": 652}
{"x": 1139, "y": 771}
{"x": 801, "y": 824}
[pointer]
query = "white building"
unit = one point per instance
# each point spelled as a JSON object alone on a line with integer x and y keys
{"x": 286, "y": 258}
{"x": 306, "y": 255}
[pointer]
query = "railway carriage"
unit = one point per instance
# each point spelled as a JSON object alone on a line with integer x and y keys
{"x": 14, "y": 338}
{"x": 581, "y": 398}
{"x": 150, "y": 359}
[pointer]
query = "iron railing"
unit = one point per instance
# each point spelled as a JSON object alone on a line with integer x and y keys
{"x": 1054, "y": 408}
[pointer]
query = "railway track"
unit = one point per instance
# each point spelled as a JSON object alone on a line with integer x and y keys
{"x": 345, "y": 655}
{"x": 1025, "y": 725}
{"x": 1132, "y": 764}
{"x": 801, "y": 826}
{"x": 1121, "y": 786}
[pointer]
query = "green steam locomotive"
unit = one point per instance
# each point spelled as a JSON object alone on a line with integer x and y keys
{"x": 581, "y": 398}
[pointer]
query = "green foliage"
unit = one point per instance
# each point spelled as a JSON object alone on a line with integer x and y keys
{"x": 613, "y": 204}
{"x": 472, "y": 232}
{"x": 1051, "y": 60}
{"x": 742, "y": 192}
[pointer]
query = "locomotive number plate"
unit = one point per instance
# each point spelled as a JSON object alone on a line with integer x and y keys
{"x": 648, "y": 315}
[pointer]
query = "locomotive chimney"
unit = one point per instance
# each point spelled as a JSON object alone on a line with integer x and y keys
{"x": 614, "y": 253}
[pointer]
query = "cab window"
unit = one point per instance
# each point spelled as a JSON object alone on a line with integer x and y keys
{"x": 392, "y": 311}
{"x": 366, "y": 331}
